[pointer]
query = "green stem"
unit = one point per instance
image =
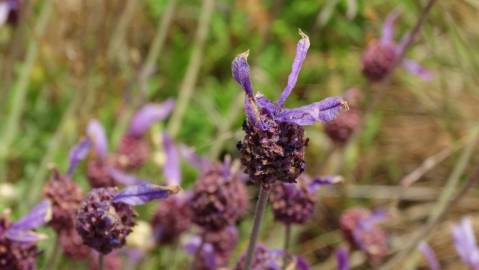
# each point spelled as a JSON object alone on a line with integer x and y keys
{"x": 258, "y": 216}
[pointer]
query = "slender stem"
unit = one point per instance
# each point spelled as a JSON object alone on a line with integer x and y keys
{"x": 287, "y": 241}
{"x": 101, "y": 262}
{"x": 258, "y": 216}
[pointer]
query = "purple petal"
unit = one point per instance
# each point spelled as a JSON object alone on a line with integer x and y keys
{"x": 301, "y": 263}
{"x": 191, "y": 244}
{"x": 301, "y": 51}
{"x": 240, "y": 70}
{"x": 24, "y": 236}
{"x": 171, "y": 168}
{"x": 4, "y": 10}
{"x": 388, "y": 28}
{"x": 125, "y": 178}
{"x": 143, "y": 193}
{"x": 251, "y": 112}
{"x": 322, "y": 111}
{"x": 147, "y": 115}
{"x": 78, "y": 153}
{"x": 39, "y": 215}
{"x": 416, "y": 69}
{"x": 342, "y": 259}
{"x": 193, "y": 158}
{"x": 266, "y": 104}
{"x": 96, "y": 134}
{"x": 321, "y": 181}
{"x": 465, "y": 243}
{"x": 430, "y": 256}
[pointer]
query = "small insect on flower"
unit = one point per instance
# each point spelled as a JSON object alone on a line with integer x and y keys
{"x": 294, "y": 203}
{"x": 272, "y": 259}
{"x": 106, "y": 216}
{"x": 465, "y": 243}
{"x": 381, "y": 56}
{"x": 273, "y": 146}
{"x": 134, "y": 149}
{"x": 18, "y": 250}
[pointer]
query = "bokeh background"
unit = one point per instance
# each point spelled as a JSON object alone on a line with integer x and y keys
{"x": 64, "y": 62}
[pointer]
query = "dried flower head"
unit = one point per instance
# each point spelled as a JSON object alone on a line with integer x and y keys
{"x": 18, "y": 248}
{"x": 106, "y": 216}
{"x": 360, "y": 228}
{"x": 273, "y": 146}
{"x": 269, "y": 259}
{"x": 382, "y": 55}
{"x": 219, "y": 198}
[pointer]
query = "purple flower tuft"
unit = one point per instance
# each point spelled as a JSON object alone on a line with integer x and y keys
{"x": 38, "y": 216}
{"x": 146, "y": 116}
{"x": 143, "y": 193}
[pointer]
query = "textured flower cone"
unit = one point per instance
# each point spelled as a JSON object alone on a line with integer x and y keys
{"x": 111, "y": 261}
{"x": 373, "y": 241}
{"x": 341, "y": 129}
{"x": 132, "y": 152}
{"x": 65, "y": 197}
{"x": 104, "y": 225}
{"x": 273, "y": 154}
{"x": 291, "y": 204}
{"x": 98, "y": 175}
{"x": 171, "y": 219}
{"x": 72, "y": 245}
{"x": 15, "y": 255}
{"x": 218, "y": 200}
{"x": 378, "y": 60}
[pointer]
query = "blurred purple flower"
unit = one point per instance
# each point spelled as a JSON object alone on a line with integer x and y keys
{"x": 380, "y": 57}
{"x": 465, "y": 243}
{"x": 430, "y": 256}
{"x": 171, "y": 168}
{"x": 21, "y": 231}
{"x": 193, "y": 158}
{"x": 96, "y": 133}
{"x": 143, "y": 193}
{"x": 272, "y": 259}
{"x": 342, "y": 259}
{"x": 146, "y": 116}
{"x": 78, "y": 153}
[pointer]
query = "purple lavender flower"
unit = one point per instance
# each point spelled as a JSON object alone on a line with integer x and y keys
{"x": 381, "y": 55}
{"x": 134, "y": 150}
{"x": 465, "y": 243}
{"x": 270, "y": 259}
{"x": 18, "y": 250}
{"x": 430, "y": 256}
{"x": 294, "y": 203}
{"x": 360, "y": 228}
{"x": 273, "y": 147}
{"x": 106, "y": 216}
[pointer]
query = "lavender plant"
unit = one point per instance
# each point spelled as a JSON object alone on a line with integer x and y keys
{"x": 273, "y": 147}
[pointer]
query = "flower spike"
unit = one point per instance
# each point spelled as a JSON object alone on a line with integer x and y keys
{"x": 301, "y": 51}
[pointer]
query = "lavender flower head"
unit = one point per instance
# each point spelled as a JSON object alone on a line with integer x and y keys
{"x": 134, "y": 150}
{"x": 465, "y": 243}
{"x": 106, "y": 216}
{"x": 381, "y": 56}
{"x": 18, "y": 248}
{"x": 360, "y": 228}
{"x": 273, "y": 146}
{"x": 219, "y": 198}
{"x": 270, "y": 259}
{"x": 294, "y": 203}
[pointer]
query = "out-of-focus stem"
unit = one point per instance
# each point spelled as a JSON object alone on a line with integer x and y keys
{"x": 101, "y": 262}
{"x": 287, "y": 240}
{"x": 258, "y": 216}
{"x": 191, "y": 75}
{"x": 120, "y": 30}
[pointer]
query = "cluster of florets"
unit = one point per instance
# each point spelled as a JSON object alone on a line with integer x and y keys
{"x": 132, "y": 152}
{"x": 103, "y": 224}
{"x": 292, "y": 203}
{"x": 13, "y": 254}
{"x": 219, "y": 198}
{"x": 378, "y": 60}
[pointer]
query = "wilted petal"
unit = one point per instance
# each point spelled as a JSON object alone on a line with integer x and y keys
{"x": 143, "y": 193}
{"x": 325, "y": 180}
{"x": 193, "y": 158}
{"x": 388, "y": 28}
{"x": 147, "y": 115}
{"x": 465, "y": 243}
{"x": 39, "y": 215}
{"x": 342, "y": 259}
{"x": 171, "y": 168}
{"x": 26, "y": 236}
{"x": 78, "y": 153}
{"x": 301, "y": 51}
{"x": 322, "y": 111}
{"x": 240, "y": 70}
{"x": 96, "y": 134}
{"x": 430, "y": 256}
{"x": 416, "y": 69}
{"x": 125, "y": 178}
